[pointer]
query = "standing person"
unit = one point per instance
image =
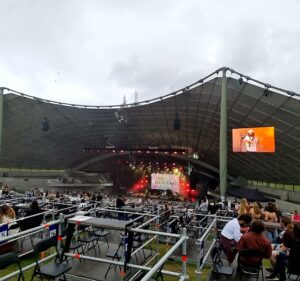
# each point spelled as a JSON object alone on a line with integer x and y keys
{"x": 119, "y": 204}
{"x": 255, "y": 240}
{"x": 231, "y": 235}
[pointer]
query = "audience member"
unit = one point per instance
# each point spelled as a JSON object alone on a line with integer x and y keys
{"x": 284, "y": 243}
{"x": 244, "y": 207}
{"x": 8, "y": 215}
{"x": 33, "y": 219}
{"x": 255, "y": 211}
{"x": 270, "y": 215}
{"x": 291, "y": 260}
{"x": 231, "y": 235}
{"x": 120, "y": 202}
{"x": 255, "y": 240}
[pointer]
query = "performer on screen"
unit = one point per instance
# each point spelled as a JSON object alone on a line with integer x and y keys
{"x": 251, "y": 141}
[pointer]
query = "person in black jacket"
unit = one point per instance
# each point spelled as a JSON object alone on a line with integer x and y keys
{"x": 33, "y": 221}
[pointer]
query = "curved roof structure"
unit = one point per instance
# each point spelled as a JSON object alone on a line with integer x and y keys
{"x": 150, "y": 124}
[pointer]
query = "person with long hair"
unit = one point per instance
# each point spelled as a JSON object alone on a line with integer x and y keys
{"x": 7, "y": 214}
{"x": 255, "y": 211}
{"x": 244, "y": 207}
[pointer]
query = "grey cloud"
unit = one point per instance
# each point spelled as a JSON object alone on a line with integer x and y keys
{"x": 93, "y": 52}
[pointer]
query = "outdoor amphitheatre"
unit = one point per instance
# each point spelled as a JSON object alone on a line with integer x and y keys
{"x": 202, "y": 183}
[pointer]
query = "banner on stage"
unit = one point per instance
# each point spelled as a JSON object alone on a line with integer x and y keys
{"x": 165, "y": 182}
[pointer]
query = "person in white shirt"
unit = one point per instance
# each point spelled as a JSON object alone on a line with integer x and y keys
{"x": 232, "y": 233}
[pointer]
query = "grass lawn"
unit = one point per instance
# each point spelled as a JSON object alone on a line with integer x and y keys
{"x": 177, "y": 266}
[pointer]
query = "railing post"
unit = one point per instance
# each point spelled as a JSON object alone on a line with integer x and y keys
{"x": 184, "y": 275}
{"x": 157, "y": 229}
{"x": 44, "y": 234}
{"x": 59, "y": 236}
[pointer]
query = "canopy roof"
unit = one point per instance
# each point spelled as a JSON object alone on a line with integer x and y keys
{"x": 150, "y": 124}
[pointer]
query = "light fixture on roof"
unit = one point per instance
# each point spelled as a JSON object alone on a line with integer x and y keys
{"x": 45, "y": 125}
{"x": 241, "y": 80}
{"x": 266, "y": 92}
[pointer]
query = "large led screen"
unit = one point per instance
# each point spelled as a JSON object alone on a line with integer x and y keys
{"x": 259, "y": 139}
{"x": 165, "y": 182}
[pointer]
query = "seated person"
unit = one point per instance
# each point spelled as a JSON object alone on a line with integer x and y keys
{"x": 287, "y": 240}
{"x": 256, "y": 212}
{"x": 291, "y": 259}
{"x": 231, "y": 235}
{"x": 269, "y": 214}
{"x": 34, "y": 221}
{"x": 255, "y": 240}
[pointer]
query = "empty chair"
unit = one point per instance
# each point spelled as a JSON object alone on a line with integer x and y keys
{"x": 9, "y": 259}
{"x": 50, "y": 270}
{"x": 101, "y": 233}
{"x": 218, "y": 268}
{"x": 89, "y": 240}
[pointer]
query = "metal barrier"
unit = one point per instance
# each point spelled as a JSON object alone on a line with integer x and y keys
{"x": 153, "y": 219}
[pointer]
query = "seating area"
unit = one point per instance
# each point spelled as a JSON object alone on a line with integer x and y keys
{"x": 127, "y": 239}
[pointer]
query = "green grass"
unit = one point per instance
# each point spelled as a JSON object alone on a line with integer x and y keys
{"x": 176, "y": 266}
{"x": 24, "y": 262}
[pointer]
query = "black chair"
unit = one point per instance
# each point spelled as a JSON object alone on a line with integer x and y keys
{"x": 29, "y": 223}
{"x": 218, "y": 268}
{"x": 293, "y": 270}
{"x": 9, "y": 259}
{"x": 101, "y": 233}
{"x": 88, "y": 239}
{"x": 50, "y": 270}
{"x": 252, "y": 271}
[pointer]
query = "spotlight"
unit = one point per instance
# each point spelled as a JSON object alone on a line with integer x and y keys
{"x": 266, "y": 92}
{"x": 176, "y": 122}
{"x": 45, "y": 125}
{"x": 241, "y": 81}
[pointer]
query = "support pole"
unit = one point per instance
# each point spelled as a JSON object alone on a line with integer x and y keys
{"x": 1, "y": 118}
{"x": 223, "y": 137}
{"x": 184, "y": 275}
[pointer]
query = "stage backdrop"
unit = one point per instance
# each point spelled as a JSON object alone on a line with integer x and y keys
{"x": 165, "y": 182}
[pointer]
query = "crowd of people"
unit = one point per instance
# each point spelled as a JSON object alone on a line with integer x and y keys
{"x": 248, "y": 232}
{"x": 250, "y": 229}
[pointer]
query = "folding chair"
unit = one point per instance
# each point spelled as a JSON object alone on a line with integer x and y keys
{"x": 244, "y": 269}
{"x": 50, "y": 270}
{"x": 218, "y": 268}
{"x": 101, "y": 233}
{"x": 89, "y": 240}
{"x": 9, "y": 259}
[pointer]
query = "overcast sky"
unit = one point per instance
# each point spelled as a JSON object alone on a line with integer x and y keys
{"x": 94, "y": 51}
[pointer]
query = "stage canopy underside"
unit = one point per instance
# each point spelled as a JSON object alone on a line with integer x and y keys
{"x": 151, "y": 124}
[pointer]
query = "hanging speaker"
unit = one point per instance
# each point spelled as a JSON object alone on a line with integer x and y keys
{"x": 45, "y": 125}
{"x": 176, "y": 123}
